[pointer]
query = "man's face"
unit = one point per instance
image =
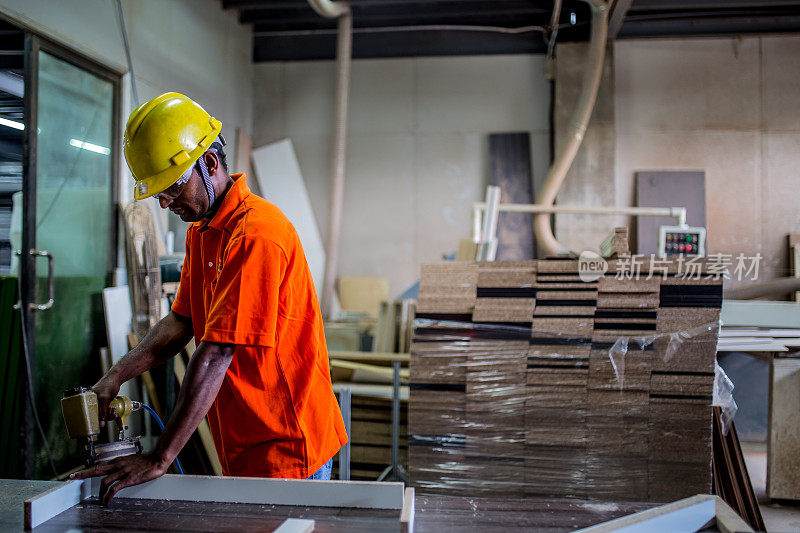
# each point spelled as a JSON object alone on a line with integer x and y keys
{"x": 190, "y": 200}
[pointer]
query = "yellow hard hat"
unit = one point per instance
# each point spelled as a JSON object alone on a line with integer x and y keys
{"x": 163, "y": 139}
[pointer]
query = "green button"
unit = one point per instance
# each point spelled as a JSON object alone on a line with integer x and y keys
{"x": 688, "y": 238}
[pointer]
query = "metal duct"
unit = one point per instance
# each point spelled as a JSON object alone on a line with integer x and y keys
{"x": 545, "y": 238}
{"x": 344, "y": 48}
{"x": 329, "y": 9}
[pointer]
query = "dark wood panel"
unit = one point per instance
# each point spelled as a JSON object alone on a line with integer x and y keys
{"x": 668, "y": 188}
{"x": 510, "y": 160}
{"x": 438, "y": 514}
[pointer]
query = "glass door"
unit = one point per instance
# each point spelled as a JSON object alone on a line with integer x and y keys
{"x": 69, "y": 224}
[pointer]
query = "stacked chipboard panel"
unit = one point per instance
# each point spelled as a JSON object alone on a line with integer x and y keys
{"x": 527, "y": 380}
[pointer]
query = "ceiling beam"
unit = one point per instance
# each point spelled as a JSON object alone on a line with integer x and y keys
{"x": 294, "y": 4}
{"x": 677, "y": 5}
{"x": 286, "y": 30}
{"x": 362, "y": 17}
{"x": 724, "y": 25}
{"x": 399, "y": 44}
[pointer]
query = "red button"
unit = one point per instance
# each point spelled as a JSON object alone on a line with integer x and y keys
{"x": 680, "y": 247}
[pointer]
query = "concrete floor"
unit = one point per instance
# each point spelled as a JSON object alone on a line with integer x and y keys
{"x": 779, "y": 518}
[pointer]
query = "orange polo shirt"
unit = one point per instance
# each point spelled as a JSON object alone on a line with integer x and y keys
{"x": 245, "y": 281}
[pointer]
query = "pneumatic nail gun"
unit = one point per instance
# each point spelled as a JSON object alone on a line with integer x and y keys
{"x": 81, "y": 416}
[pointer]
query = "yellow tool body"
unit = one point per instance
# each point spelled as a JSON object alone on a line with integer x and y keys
{"x": 80, "y": 413}
{"x": 81, "y": 416}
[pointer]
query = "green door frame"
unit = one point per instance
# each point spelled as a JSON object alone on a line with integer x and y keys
{"x": 34, "y": 43}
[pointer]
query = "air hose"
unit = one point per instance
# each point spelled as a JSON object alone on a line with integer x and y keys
{"x": 161, "y": 426}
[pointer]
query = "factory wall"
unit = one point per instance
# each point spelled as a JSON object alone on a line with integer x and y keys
{"x": 417, "y": 154}
{"x": 418, "y": 148}
{"x": 189, "y": 46}
{"x": 729, "y": 106}
{"x": 590, "y": 180}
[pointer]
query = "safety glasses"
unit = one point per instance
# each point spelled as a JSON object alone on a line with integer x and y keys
{"x": 175, "y": 190}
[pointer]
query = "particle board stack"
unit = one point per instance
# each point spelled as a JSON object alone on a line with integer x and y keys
{"x": 616, "y": 243}
{"x": 528, "y": 381}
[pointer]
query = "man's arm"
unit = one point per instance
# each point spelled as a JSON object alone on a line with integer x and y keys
{"x": 162, "y": 342}
{"x": 201, "y": 384}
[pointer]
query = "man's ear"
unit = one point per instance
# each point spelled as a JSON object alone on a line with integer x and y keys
{"x": 212, "y": 162}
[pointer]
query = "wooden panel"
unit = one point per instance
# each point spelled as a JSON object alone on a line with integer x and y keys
{"x": 363, "y": 294}
{"x": 668, "y": 188}
{"x": 510, "y": 156}
{"x": 783, "y": 445}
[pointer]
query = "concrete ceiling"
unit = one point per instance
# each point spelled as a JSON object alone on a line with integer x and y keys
{"x": 290, "y": 30}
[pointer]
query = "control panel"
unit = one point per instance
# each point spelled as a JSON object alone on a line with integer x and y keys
{"x": 677, "y": 240}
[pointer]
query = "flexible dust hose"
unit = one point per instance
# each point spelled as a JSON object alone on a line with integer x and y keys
{"x": 328, "y": 9}
{"x": 545, "y": 238}
{"x": 161, "y": 427}
{"x": 344, "y": 53}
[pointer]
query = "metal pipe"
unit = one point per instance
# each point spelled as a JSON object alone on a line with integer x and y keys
{"x": 345, "y": 404}
{"x": 580, "y": 119}
{"x": 344, "y": 48}
{"x": 396, "y": 420}
{"x": 679, "y": 213}
{"x": 328, "y": 9}
{"x": 476, "y": 223}
{"x": 773, "y": 288}
{"x": 488, "y": 241}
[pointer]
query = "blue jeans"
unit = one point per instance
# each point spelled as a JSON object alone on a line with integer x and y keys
{"x": 324, "y": 473}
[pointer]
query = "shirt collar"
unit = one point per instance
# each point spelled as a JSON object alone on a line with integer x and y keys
{"x": 237, "y": 192}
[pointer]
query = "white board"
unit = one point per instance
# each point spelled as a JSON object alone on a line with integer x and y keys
{"x": 295, "y": 525}
{"x": 266, "y": 491}
{"x": 278, "y": 174}
{"x": 760, "y": 313}
{"x": 262, "y": 491}
{"x": 45, "y": 506}
{"x": 758, "y": 332}
{"x": 118, "y": 315}
{"x": 690, "y": 514}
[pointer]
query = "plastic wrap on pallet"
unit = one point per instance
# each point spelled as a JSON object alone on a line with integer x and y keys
{"x": 526, "y": 385}
{"x": 723, "y": 397}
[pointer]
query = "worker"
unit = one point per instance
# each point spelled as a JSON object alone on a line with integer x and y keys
{"x": 261, "y": 369}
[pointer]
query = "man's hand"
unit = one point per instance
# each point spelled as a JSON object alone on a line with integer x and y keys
{"x": 124, "y": 472}
{"x": 106, "y": 389}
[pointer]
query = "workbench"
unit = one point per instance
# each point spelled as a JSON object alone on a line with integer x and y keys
{"x": 434, "y": 513}
{"x": 12, "y": 493}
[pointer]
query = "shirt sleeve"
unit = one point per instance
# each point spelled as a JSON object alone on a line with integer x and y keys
{"x": 244, "y": 304}
{"x": 182, "y": 303}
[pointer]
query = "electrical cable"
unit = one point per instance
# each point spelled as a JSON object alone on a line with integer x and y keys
{"x": 161, "y": 426}
{"x": 29, "y": 373}
{"x": 127, "y": 46}
{"x": 394, "y": 29}
{"x": 553, "y": 29}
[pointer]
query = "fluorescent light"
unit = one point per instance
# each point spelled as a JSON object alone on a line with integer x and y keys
{"x": 89, "y": 146}
{"x": 12, "y": 124}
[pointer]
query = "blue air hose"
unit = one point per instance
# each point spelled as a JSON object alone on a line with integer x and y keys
{"x": 161, "y": 425}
